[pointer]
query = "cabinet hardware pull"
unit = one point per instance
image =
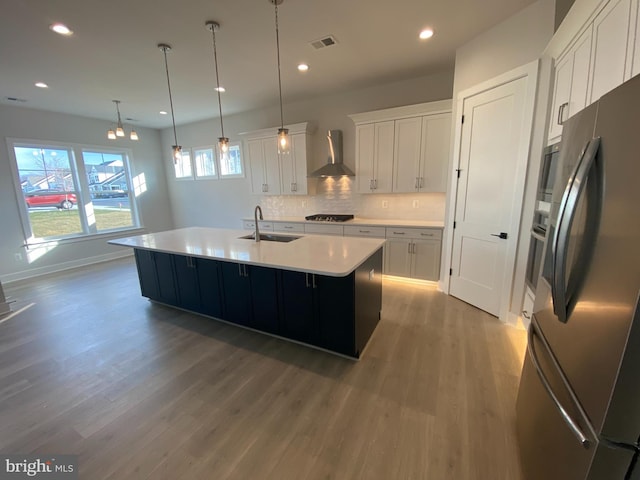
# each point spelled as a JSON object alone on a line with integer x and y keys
{"x": 288, "y": 226}
{"x": 427, "y": 234}
{"x": 409, "y": 248}
{"x": 239, "y": 270}
{"x": 313, "y": 279}
{"x": 246, "y": 274}
{"x": 371, "y": 184}
{"x": 375, "y": 184}
{"x": 561, "y": 112}
{"x": 364, "y": 231}
{"x": 398, "y": 233}
{"x": 306, "y": 280}
{"x": 525, "y": 314}
{"x": 421, "y": 182}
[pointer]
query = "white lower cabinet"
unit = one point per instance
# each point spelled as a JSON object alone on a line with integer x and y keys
{"x": 288, "y": 227}
{"x": 413, "y": 253}
{"x": 323, "y": 229}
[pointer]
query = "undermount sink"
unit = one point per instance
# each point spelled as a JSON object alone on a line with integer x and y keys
{"x": 271, "y": 238}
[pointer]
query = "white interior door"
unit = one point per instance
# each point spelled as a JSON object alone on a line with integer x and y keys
{"x": 487, "y": 203}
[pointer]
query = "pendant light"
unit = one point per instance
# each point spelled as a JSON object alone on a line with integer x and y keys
{"x": 177, "y": 149}
{"x": 119, "y": 131}
{"x": 284, "y": 141}
{"x": 223, "y": 142}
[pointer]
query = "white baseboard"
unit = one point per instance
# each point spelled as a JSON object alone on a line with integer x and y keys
{"x": 59, "y": 267}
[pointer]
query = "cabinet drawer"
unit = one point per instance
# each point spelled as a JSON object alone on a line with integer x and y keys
{"x": 423, "y": 233}
{"x": 288, "y": 227}
{"x": 251, "y": 225}
{"x": 364, "y": 231}
{"x": 323, "y": 229}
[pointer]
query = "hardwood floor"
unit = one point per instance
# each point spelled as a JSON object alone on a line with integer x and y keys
{"x": 140, "y": 390}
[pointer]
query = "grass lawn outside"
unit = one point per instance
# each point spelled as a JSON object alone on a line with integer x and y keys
{"x": 53, "y": 223}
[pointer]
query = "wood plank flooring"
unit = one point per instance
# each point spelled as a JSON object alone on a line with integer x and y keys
{"x": 139, "y": 390}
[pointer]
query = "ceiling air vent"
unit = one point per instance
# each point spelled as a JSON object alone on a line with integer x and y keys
{"x": 324, "y": 42}
{"x": 16, "y": 99}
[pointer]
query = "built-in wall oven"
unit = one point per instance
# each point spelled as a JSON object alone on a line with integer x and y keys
{"x": 540, "y": 222}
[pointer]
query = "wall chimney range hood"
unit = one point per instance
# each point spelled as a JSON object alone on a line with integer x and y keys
{"x": 334, "y": 166}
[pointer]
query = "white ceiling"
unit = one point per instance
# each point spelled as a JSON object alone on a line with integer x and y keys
{"x": 113, "y": 53}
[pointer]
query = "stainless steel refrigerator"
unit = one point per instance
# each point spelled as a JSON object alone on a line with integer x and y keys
{"x": 578, "y": 407}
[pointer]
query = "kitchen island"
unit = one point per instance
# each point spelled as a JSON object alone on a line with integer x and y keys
{"x": 319, "y": 290}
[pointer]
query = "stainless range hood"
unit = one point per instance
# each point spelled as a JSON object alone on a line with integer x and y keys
{"x": 334, "y": 166}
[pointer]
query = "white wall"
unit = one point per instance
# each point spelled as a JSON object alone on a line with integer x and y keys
{"x": 224, "y": 202}
{"x": 23, "y": 123}
{"x": 517, "y": 41}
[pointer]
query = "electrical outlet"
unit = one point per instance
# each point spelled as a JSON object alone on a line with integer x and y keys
{"x": 18, "y": 257}
{"x": 304, "y": 204}
{"x": 385, "y": 204}
{"x": 416, "y": 203}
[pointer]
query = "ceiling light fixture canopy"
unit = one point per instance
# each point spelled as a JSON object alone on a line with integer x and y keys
{"x": 119, "y": 131}
{"x": 177, "y": 149}
{"x": 284, "y": 142}
{"x": 223, "y": 142}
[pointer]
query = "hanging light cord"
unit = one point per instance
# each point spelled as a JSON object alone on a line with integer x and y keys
{"x": 173, "y": 118}
{"x": 279, "y": 77}
{"x": 117, "y": 102}
{"x": 215, "y": 60}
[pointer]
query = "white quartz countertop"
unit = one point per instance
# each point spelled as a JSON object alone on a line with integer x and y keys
{"x": 362, "y": 221}
{"x": 319, "y": 254}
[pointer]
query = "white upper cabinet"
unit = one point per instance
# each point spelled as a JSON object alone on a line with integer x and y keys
{"x": 294, "y": 166}
{"x": 264, "y": 166}
{"x": 612, "y": 48}
{"x": 403, "y": 149}
{"x": 434, "y": 155}
{"x": 596, "y": 49}
{"x": 273, "y": 174}
{"x": 571, "y": 83}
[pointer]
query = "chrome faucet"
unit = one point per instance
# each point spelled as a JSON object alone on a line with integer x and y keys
{"x": 255, "y": 217}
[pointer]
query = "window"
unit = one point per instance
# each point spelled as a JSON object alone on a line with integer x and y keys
{"x": 208, "y": 165}
{"x": 232, "y": 166}
{"x": 183, "y": 166}
{"x": 205, "y": 162}
{"x": 69, "y": 191}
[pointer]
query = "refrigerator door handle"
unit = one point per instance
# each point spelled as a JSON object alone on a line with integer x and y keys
{"x": 571, "y": 423}
{"x": 560, "y": 245}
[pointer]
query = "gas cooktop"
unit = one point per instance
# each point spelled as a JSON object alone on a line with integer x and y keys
{"x": 328, "y": 217}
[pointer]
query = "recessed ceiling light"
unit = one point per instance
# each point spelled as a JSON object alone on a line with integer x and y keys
{"x": 220, "y": 89}
{"x": 426, "y": 33}
{"x": 303, "y": 67}
{"x": 162, "y": 112}
{"x": 42, "y": 85}
{"x": 61, "y": 29}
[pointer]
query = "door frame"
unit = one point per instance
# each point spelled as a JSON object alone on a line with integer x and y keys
{"x": 528, "y": 71}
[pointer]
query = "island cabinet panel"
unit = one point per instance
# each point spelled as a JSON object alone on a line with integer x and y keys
{"x": 298, "y": 320}
{"x": 198, "y": 284}
{"x": 187, "y": 282}
{"x": 250, "y": 296}
{"x": 147, "y": 273}
{"x": 210, "y": 286}
{"x": 335, "y": 307}
{"x": 237, "y": 288}
{"x": 157, "y": 276}
{"x": 368, "y": 299}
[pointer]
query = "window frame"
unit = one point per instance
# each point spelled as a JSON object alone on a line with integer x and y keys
{"x": 242, "y": 168}
{"x": 216, "y": 163}
{"x": 81, "y": 186}
{"x": 173, "y": 166}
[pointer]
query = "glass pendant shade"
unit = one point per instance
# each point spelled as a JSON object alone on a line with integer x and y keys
{"x": 134, "y": 135}
{"x": 284, "y": 142}
{"x": 119, "y": 132}
{"x": 177, "y": 153}
{"x": 111, "y": 134}
{"x": 223, "y": 144}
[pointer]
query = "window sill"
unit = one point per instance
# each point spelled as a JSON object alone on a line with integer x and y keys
{"x": 39, "y": 243}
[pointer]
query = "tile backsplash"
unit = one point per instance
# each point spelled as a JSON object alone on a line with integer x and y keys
{"x": 338, "y": 195}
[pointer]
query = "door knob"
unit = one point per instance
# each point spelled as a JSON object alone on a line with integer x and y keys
{"x": 502, "y": 235}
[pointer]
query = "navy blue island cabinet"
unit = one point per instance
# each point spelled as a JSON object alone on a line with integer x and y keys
{"x": 338, "y": 314}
